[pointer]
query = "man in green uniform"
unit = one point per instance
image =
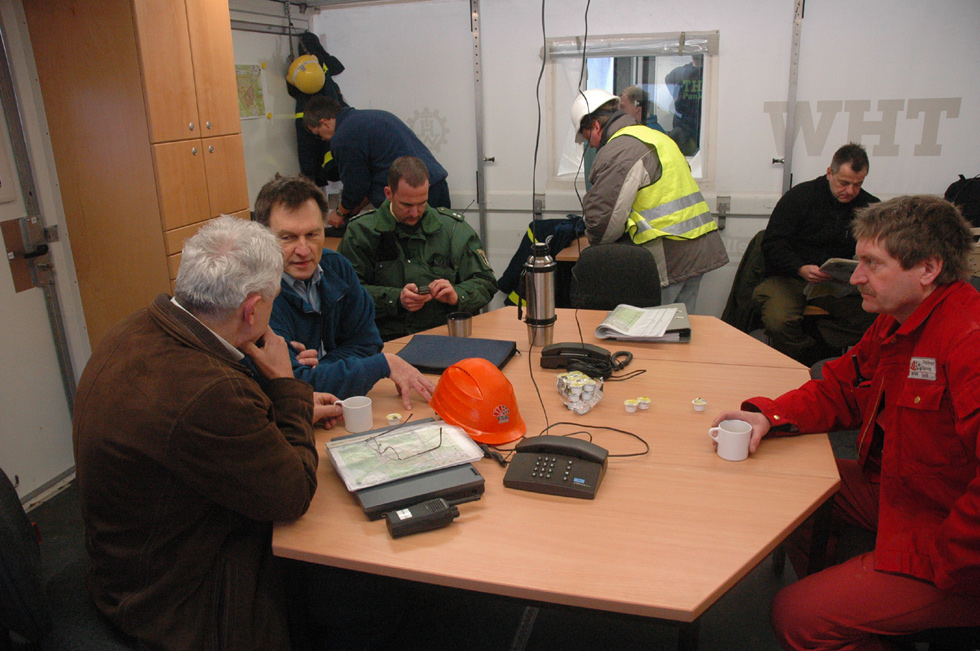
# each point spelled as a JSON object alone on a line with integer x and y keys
{"x": 418, "y": 263}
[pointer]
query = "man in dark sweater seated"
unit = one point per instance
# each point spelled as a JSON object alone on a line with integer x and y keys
{"x": 809, "y": 225}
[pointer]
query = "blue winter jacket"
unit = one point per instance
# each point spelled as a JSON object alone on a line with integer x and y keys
{"x": 351, "y": 361}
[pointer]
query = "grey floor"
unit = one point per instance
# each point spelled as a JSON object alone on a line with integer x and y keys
{"x": 438, "y": 618}
{"x": 445, "y": 619}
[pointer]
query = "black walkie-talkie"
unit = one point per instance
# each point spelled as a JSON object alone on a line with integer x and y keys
{"x": 425, "y": 516}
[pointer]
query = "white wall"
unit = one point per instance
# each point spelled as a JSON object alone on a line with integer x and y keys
{"x": 269, "y": 141}
{"x": 898, "y": 56}
{"x": 35, "y": 423}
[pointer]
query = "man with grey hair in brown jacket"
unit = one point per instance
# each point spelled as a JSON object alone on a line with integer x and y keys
{"x": 183, "y": 460}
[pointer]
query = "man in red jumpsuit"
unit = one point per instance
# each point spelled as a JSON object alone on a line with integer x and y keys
{"x": 911, "y": 387}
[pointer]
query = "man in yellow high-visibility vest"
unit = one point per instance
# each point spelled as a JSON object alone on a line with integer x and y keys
{"x": 642, "y": 191}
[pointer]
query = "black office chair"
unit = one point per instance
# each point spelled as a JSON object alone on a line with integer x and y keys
{"x": 609, "y": 274}
{"x": 23, "y": 606}
{"x": 57, "y": 616}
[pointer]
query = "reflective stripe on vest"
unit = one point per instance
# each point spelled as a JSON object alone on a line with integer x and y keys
{"x": 673, "y": 207}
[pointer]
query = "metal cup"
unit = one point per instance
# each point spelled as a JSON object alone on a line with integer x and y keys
{"x": 460, "y": 324}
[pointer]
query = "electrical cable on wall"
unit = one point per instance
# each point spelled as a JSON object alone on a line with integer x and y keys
{"x": 535, "y": 213}
{"x": 581, "y": 160}
{"x": 581, "y": 77}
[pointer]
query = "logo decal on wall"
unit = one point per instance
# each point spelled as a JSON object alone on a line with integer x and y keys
{"x": 927, "y": 115}
{"x": 430, "y": 127}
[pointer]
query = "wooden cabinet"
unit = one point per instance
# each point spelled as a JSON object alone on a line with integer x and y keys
{"x": 188, "y": 68}
{"x": 198, "y": 179}
{"x": 142, "y": 107}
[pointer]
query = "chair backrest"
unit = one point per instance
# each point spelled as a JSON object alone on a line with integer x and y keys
{"x": 23, "y": 605}
{"x": 740, "y": 309}
{"x": 609, "y": 274}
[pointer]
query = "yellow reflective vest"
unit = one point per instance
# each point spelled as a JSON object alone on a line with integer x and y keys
{"x": 673, "y": 207}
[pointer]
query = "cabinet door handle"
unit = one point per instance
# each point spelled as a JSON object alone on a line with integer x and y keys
{"x": 211, "y": 149}
{"x": 191, "y": 126}
{"x": 194, "y": 151}
{"x": 208, "y": 124}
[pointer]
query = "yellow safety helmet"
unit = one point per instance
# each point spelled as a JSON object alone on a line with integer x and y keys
{"x": 306, "y": 74}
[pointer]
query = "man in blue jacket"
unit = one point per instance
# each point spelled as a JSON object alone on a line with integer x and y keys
{"x": 364, "y": 144}
{"x": 322, "y": 310}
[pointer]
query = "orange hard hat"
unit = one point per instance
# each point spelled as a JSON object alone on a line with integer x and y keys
{"x": 475, "y": 395}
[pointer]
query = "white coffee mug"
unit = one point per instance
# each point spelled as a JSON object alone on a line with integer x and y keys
{"x": 732, "y": 437}
{"x": 358, "y": 415}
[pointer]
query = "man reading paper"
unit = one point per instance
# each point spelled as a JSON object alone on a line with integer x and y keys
{"x": 810, "y": 224}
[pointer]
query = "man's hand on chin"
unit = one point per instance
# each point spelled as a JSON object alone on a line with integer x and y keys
{"x": 270, "y": 354}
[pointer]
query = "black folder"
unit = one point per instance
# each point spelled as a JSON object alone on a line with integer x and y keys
{"x": 436, "y": 353}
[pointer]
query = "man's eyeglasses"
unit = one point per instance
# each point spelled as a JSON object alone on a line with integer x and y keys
{"x": 400, "y": 452}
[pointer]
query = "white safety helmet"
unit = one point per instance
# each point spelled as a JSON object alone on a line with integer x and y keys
{"x": 588, "y": 101}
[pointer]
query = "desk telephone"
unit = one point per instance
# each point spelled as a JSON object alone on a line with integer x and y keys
{"x": 557, "y": 465}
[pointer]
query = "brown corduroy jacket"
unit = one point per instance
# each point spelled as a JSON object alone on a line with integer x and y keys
{"x": 183, "y": 462}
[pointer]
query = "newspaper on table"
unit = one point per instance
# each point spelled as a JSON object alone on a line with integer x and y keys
{"x": 638, "y": 324}
{"x": 411, "y": 449}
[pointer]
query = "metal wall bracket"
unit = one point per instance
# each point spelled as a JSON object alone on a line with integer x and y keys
{"x": 481, "y": 158}
{"x": 794, "y": 72}
{"x": 27, "y": 253}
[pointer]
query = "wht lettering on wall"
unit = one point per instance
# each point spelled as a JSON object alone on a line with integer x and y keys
{"x": 929, "y": 112}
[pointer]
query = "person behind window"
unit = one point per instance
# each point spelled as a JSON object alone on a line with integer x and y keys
{"x": 635, "y": 102}
{"x": 911, "y": 386}
{"x": 183, "y": 460}
{"x": 417, "y": 262}
{"x": 323, "y": 311}
{"x": 364, "y": 144}
{"x": 642, "y": 191}
{"x": 685, "y": 84}
{"x": 809, "y": 225}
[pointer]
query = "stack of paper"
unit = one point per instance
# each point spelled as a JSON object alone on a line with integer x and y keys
{"x": 667, "y": 323}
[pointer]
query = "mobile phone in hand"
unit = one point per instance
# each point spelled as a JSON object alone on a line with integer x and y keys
{"x": 424, "y": 290}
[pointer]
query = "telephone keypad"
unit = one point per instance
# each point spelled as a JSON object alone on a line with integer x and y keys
{"x": 559, "y": 475}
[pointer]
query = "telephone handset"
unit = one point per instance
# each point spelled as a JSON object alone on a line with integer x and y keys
{"x": 560, "y": 355}
{"x": 557, "y": 465}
